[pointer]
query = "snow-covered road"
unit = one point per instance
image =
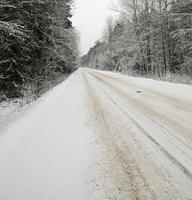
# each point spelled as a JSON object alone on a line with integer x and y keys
{"x": 101, "y": 136}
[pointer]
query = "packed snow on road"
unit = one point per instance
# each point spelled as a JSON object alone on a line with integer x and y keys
{"x": 101, "y": 136}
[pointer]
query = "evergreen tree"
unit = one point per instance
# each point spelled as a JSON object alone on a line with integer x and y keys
{"x": 36, "y": 39}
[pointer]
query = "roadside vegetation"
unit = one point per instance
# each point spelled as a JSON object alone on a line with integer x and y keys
{"x": 151, "y": 38}
{"x": 38, "y": 46}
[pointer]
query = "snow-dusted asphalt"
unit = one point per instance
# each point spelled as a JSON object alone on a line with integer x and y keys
{"x": 101, "y": 136}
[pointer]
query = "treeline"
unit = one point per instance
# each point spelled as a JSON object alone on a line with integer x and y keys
{"x": 150, "y": 37}
{"x": 38, "y": 45}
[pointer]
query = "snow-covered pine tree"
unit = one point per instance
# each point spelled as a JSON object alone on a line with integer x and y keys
{"x": 34, "y": 37}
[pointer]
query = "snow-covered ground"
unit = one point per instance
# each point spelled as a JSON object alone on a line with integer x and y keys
{"x": 101, "y": 136}
{"x": 9, "y": 111}
{"x": 43, "y": 154}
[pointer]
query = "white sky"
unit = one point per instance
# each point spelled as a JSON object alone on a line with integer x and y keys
{"x": 89, "y": 19}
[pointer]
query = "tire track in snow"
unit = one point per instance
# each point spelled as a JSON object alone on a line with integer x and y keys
{"x": 107, "y": 94}
{"x": 164, "y": 117}
{"x": 181, "y": 146}
{"x": 137, "y": 186}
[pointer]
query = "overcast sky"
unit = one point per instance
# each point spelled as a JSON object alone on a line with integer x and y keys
{"x": 89, "y": 18}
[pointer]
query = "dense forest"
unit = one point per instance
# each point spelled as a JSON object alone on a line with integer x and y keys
{"x": 38, "y": 45}
{"x": 150, "y": 37}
